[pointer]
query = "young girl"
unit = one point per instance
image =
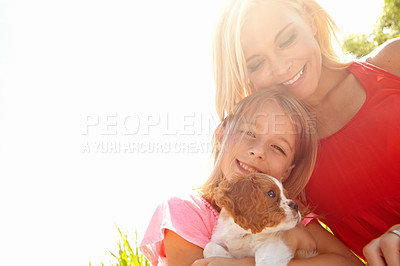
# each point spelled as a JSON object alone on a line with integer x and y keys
{"x": 267, "y": 132}
{"x": 288, "y": 45}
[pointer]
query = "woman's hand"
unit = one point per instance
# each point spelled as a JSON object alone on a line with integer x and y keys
{"x": 218, "y": 261}
{"x": 384, "y": 250}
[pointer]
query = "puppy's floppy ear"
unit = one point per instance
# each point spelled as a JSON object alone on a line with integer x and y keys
{"x": 244, "y": 199}
{"x": 222, "y": 197}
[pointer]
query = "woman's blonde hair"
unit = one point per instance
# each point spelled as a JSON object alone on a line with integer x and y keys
{"x": 230, "y": 70}
{"x": 247, "y": 110}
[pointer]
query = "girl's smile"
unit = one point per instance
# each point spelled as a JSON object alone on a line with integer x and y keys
{"x": 263, "y": 143}
{"x": 246, "y": 168}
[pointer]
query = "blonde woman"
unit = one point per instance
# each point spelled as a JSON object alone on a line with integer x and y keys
{"x": 291, "y": 45}
{"x": 269, "y": 132}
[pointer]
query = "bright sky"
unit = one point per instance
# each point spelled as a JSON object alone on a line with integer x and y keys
{"x": 106, "y": 108}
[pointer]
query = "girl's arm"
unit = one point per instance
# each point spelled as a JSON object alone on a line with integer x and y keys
{"x": 331, "y": 250}
{"x": 387, "y": 56}
{"x": 181, "y": 252}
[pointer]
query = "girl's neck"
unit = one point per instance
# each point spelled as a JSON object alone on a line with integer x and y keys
{"x": 212, "y": 203}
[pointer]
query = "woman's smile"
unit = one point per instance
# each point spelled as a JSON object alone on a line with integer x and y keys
{"x": 293, "y": 81}
{"x": 285, "y": 56}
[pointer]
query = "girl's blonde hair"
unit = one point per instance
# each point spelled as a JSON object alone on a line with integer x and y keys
{"x": 247, "y": 110}
{"x": 230, "y": 70}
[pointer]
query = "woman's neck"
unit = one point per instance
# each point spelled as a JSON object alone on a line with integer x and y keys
{"x": 329, "y": 80}
{"x": 338, "y": 98}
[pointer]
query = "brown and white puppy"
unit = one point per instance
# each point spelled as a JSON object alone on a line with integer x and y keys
{"x": 255, "y": 210}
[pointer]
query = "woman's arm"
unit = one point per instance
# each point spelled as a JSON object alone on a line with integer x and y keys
{"x": 331, "y": 250}
{"x": 387, "y": 56}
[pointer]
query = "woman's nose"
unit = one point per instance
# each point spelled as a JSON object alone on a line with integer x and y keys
{"x": 280, "y": 65}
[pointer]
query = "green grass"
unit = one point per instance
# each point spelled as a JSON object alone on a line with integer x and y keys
{"x": 128, "y": 256}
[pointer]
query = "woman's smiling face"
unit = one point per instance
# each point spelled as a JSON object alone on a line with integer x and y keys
{"x": 263, "y": 143}
{"x": 280, "y": 49}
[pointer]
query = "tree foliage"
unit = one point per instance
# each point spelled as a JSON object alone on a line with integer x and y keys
{"x": 387, "y": 27}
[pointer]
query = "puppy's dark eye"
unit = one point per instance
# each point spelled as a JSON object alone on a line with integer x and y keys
{"x": 271, "y": 194}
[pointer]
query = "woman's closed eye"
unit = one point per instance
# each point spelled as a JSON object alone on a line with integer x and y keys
{"x": 255, "y": 66}
{"x": 287, "y": 36}
{"x": 288, "y": 41}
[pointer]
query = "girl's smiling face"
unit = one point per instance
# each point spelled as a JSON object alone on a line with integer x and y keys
{"x": 264, "y": 142}
{"x": 280, "y": 49}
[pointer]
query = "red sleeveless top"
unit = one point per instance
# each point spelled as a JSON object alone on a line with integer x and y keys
{"x": 356, "y": 183}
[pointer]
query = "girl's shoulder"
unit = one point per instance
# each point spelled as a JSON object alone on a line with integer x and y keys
{"x": 192, "y": 202}
{"x": 182, "y": 214}
{"x": 189, "y": 216}
{"x": 386, "y": 56}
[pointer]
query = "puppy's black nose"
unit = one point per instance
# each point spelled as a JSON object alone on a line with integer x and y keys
{"x": 294, "y": 206}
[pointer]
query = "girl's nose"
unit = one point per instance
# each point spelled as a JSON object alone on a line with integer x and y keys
{"x": 258, "y": 151}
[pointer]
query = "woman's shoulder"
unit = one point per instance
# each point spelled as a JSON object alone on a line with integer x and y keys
{"x": 386, "y": 56}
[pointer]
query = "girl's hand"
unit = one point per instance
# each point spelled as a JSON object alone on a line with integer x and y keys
{"x": 218, "y": 261}
{"x": 384, "y": 250}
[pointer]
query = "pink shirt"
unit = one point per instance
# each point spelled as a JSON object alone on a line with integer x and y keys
{"x": 191, "y": 217}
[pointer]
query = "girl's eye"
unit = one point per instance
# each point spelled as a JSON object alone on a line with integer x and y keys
{"x": 247, "y": 133}
{"x": 288, "y": 41}
{"x": 250, "y": 134}
{"x": 279, "y": 149}
{"x": 271, "y": 194}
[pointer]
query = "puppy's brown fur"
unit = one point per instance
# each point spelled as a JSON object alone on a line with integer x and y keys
{"x": 246, "y": 199}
